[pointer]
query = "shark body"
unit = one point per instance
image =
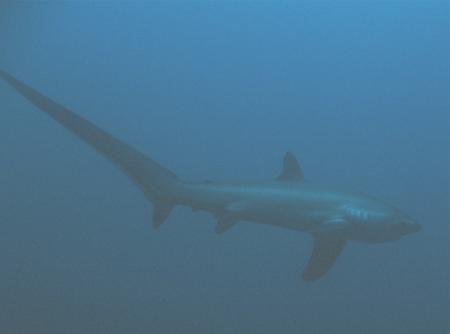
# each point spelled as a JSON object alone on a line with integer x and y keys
{"x": 330, "y": 216}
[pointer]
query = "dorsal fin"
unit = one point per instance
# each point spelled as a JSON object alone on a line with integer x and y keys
{"x": 291, "y": 169}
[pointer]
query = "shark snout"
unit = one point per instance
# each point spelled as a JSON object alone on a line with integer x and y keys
{"x": 409, "y": 226}
{"x": 416, "y": 227}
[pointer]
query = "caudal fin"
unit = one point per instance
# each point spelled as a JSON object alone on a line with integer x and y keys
{"x": 156, "y": 182}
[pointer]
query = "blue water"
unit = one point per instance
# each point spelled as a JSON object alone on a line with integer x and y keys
{"x": 220, "y": 90}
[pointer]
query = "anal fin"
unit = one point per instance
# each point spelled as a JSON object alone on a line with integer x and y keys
{"x": 224, "y": 225}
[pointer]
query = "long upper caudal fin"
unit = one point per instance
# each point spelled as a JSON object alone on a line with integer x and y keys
{"x": 326, "y": 250}
{"x": 291, "y": 169}
{"x": 154, "y": 180}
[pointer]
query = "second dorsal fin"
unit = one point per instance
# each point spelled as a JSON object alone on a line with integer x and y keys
{"x": 291, "y": 169}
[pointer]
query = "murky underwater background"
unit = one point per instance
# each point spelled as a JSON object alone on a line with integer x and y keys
{"x": 220, "y": 90}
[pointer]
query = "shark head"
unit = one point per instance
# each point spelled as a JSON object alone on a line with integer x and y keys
{"x": 373, "y": 221}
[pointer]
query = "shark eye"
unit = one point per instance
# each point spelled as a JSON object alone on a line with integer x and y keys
{"x": 405, "y": 224}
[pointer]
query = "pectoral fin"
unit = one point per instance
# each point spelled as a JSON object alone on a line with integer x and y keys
{"x": 325, "y": 251}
